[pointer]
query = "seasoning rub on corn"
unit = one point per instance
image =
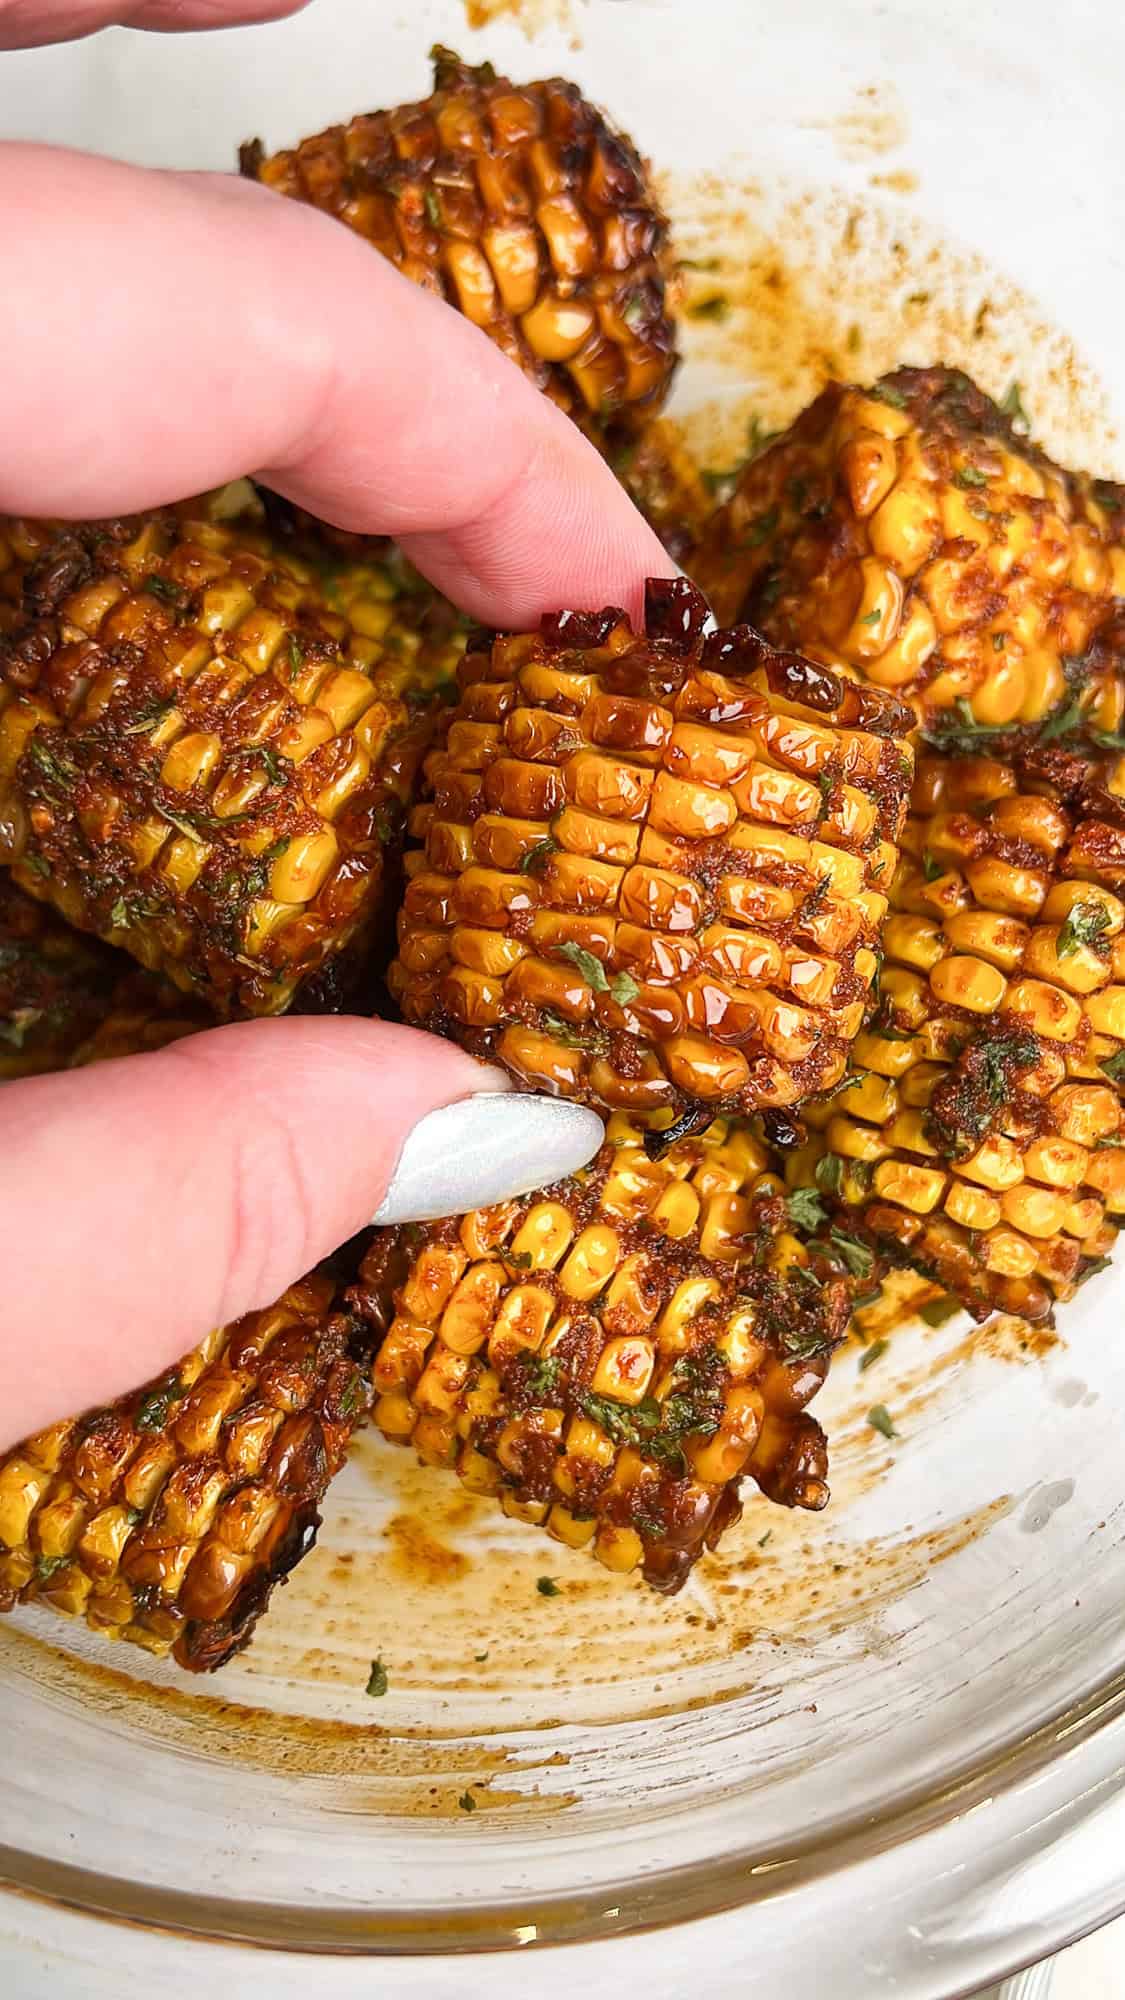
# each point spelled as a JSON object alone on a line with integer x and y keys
{"x": 521, "y": 206}
{"x": 983, "y": 1140}
{"x": 168, "y": 1517}
{"x": 655, "y": 867}
{"x": 610, "y": 1357}
{"x": 911, "y": 534}
{"x": 206, "y": 745}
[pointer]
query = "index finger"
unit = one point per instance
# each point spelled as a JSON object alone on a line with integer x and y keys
{"x": 31, "y": 24}
{"x": 164, "y": 333}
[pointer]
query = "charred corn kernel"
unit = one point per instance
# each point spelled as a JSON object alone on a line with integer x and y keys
{"x": 678, "y": 998}
{"x": 986, "y": 1119}
{"x": 523, "y": 207}
{"x": 962, "y": 584}
{"x": 255, "y": 848}
{"x": 166, "y": 1518}
{"x": 656, "y": 1364}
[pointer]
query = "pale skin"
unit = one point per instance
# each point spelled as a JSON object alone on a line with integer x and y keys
{"x": 149, "y": 1199}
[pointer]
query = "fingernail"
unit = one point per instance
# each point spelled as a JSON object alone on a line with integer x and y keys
{"x": 485, "y": 1149}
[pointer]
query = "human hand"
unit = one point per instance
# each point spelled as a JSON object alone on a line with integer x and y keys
{"x": 164, "y": 333}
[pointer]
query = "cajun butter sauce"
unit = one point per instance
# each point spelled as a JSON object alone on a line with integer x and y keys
{"x": 487, "y": 1675}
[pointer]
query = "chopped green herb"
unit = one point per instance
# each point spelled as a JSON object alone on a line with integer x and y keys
{"x": 467, "y": 1802}
{"x": 47, "y": 1565}
{"x": 872, "y": 1354}
{"x": 935, "y": 1312}
{"x": 275, "y": 769}
{"x": 546, "y": 1586}
{"x": 999, "y": 641}
{"x": 763, "y": 1539}
{"x": 800, "y": 1343}
{"x": 37, "y": 865}
{"x": 1107, "y": 495}
{"x": 969, "y": 475}
{"x": 352, "y": 1398}
{"x": 761, "y": 529}
{"x": 1086, "y": 924}
{"x": 871, "y": 617}
{"x": 813, "y": 903}
{"x": 1107, "y": 739}
{"x": 376, "y": 1679}
{"x": 119, "y": 915}
{"x": 1091, "y": 1269}
{"x": 52, "y": 764}
{"x": 858, "y": 1258}
{"x": 296, "y": 653}
{"x": 635, "y": 310}
{"x": 541, "y": 1372}
{"x": 1114, "y": 1066}
{"x": 961, "y": 732}
{"x": 591, "y": 969}
{"x": 880, "y": 1420}
{"x": 1012, "y": 405}
{"x": 519, "y": 1259}
{"x": 931, "y": 869}
{"x": 717, "y": 307}
{"x": 148, "y": 719}
{"x": 805, "y": 1208}
{"x": 885, "y": 392}
{"x": 163, "y": 587}
{"x": 481, "y": 1657}
{"x": 700, "y": 263}
{"x": 154, "y": 1410}
{"x": 624, "y": 988}
{"x": 433, "y": 207}
{"x": 537, "y": 857}
{"x": 830, "y": 1173}
{"x": 1062, "y": 722}
{"x": 846, "y": 1083}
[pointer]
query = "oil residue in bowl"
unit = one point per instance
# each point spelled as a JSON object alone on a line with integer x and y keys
{"x": 788, "y": 287}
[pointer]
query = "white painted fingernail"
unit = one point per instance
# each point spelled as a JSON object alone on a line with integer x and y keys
{"x": 485, "y": 1149}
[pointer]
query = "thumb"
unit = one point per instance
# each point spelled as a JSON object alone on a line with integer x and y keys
{"x": 149, "y": 1199}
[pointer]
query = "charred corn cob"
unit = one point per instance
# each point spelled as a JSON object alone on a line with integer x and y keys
{"x": 664, "y": 481}
{"x": 66, "y": 1000}
{"x": 22, "y": 543}
{"x": 168, "y": 1517}
{"x": 982, "y": 1136}
{"x": 206, "y": 745}
{"x": 911, "y": 535}
{"x": 521, "y": 206}
{"x": 611, "y": 1356}
{"x": 654, "y": 868}
{"x": 54, "y": 986}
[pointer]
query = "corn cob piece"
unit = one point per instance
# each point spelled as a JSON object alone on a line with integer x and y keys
{"x": 666, "y": 484}
{"x": 21, "y": 544}
{"x": 654, "y": 867}
{"x": 66, "y": 1000}
{"x": 612, "y": 1356}
{"x": 55, "y": 985}
{"x": 983, "y": 1137}
{"x": 206, "y": 746}
{"x": 168, "y": 1517}
{"x": 521, "y": 206}
{"x": 912, "y": 536}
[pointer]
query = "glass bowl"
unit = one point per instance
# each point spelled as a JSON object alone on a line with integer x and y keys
{"x": 881, "y": 1748}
